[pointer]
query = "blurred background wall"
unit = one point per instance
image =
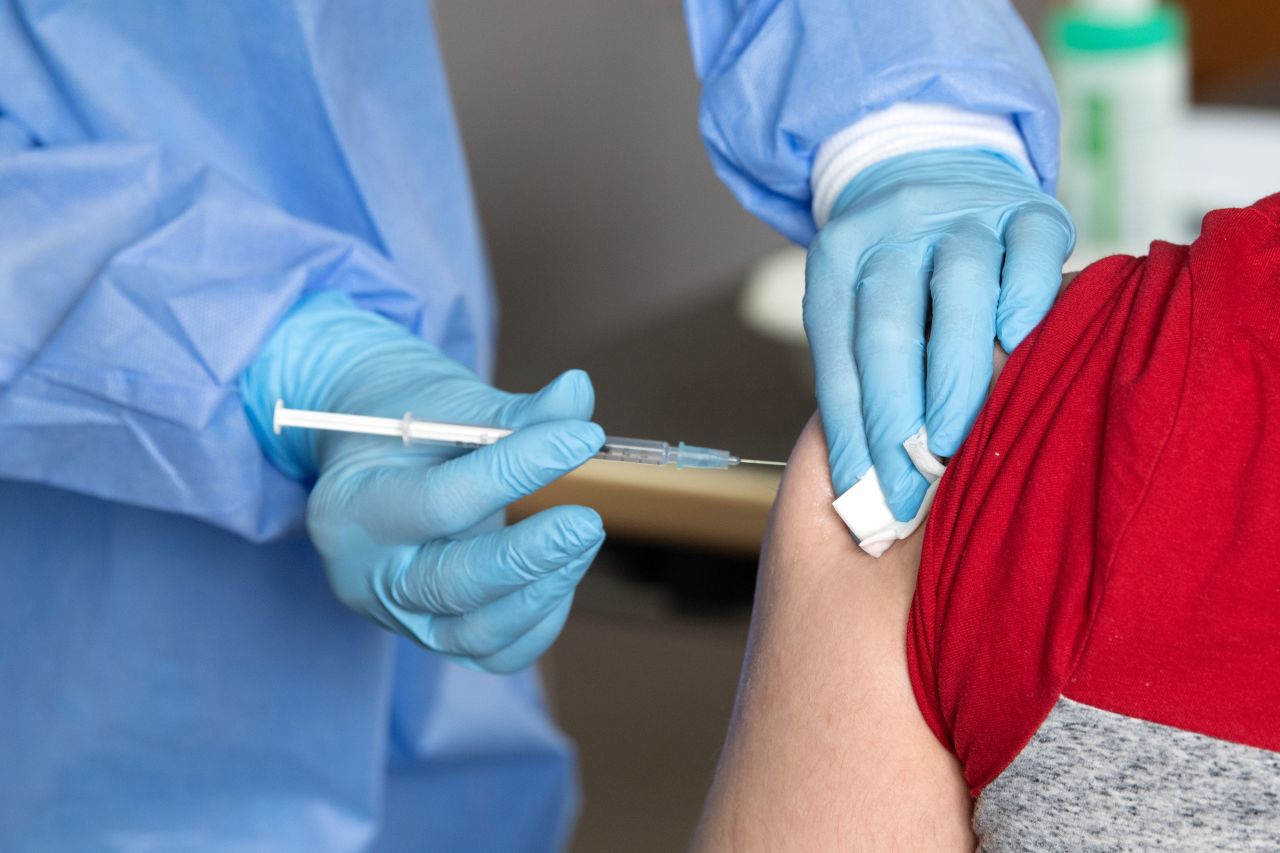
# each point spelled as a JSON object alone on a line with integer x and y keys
{"x": 1235, "y": 51}
{"x": 615, "y": 249}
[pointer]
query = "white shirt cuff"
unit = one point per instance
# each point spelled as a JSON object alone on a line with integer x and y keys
{"x": 903, "y": 129}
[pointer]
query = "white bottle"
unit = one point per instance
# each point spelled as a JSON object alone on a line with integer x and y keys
{"x": 1122, "y": 74}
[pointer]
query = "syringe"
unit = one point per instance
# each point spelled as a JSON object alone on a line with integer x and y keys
{"x": 410, "y": 430}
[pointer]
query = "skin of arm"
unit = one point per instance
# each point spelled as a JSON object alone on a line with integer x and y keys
{"x": 827, "y": 749}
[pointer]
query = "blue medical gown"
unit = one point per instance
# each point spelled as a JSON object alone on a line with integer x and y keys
{"x": 782, "y": 76}
{"x": 174, "y": 673}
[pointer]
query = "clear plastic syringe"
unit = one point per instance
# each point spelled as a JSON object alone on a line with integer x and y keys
{"x": 407, "y": 429}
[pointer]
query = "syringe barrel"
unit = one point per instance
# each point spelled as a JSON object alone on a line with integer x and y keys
{"x": 642, "y": 450}
{"x": 616, "y": 448}
{"x": 459, "y": 435}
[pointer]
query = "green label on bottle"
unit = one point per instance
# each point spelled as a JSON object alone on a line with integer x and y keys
{"x": 1099, "y": 135}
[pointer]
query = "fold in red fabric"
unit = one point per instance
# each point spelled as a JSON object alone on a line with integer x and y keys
{"x": 1110, "y": 532}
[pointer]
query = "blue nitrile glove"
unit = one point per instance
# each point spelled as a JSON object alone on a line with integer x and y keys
{"x": 961, "y": 235}
{"x": 401, "y": 529}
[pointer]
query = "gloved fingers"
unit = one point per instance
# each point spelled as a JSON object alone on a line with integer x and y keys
{"x": 1037, "y": 239}
{"x": 570, "y": 396}
{"x": 964, "y": 289}
{"x": 532, "y": 645}
{"x": 485, "y": 632}
{"x": 465, "y": 399}
{"x": 888, "y": 334}
{"x": 830, "y": 273}
{"x": 418, "y": 504}
{"x": 455, "y": 576}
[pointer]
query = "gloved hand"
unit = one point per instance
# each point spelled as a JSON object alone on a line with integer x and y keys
{"x": 400, "y": 529}
{"x": 961, "y": 236}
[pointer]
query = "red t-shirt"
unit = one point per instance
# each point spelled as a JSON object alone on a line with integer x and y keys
{"x": 1110, "y": 532}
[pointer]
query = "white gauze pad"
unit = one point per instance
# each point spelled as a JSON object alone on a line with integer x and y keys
{"x": 865, "y": 512}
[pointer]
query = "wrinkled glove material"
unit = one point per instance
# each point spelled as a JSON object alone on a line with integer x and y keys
{"x": 405, "y": 532}
{"x": 962, "y": 242}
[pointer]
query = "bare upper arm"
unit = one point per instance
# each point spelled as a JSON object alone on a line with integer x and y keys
{"x": 827, "y": 749}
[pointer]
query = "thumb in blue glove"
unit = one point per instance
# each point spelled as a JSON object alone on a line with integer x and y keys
{"x": 402, "y": 531}
{"x": 961, "y": 239}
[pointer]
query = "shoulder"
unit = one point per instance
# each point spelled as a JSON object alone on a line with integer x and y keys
{"x": 827, "y": 749}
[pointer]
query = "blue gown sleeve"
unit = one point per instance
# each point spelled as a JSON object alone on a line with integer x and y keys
{"x": 136, "y": 286}
{"x": 781, "y": 76}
